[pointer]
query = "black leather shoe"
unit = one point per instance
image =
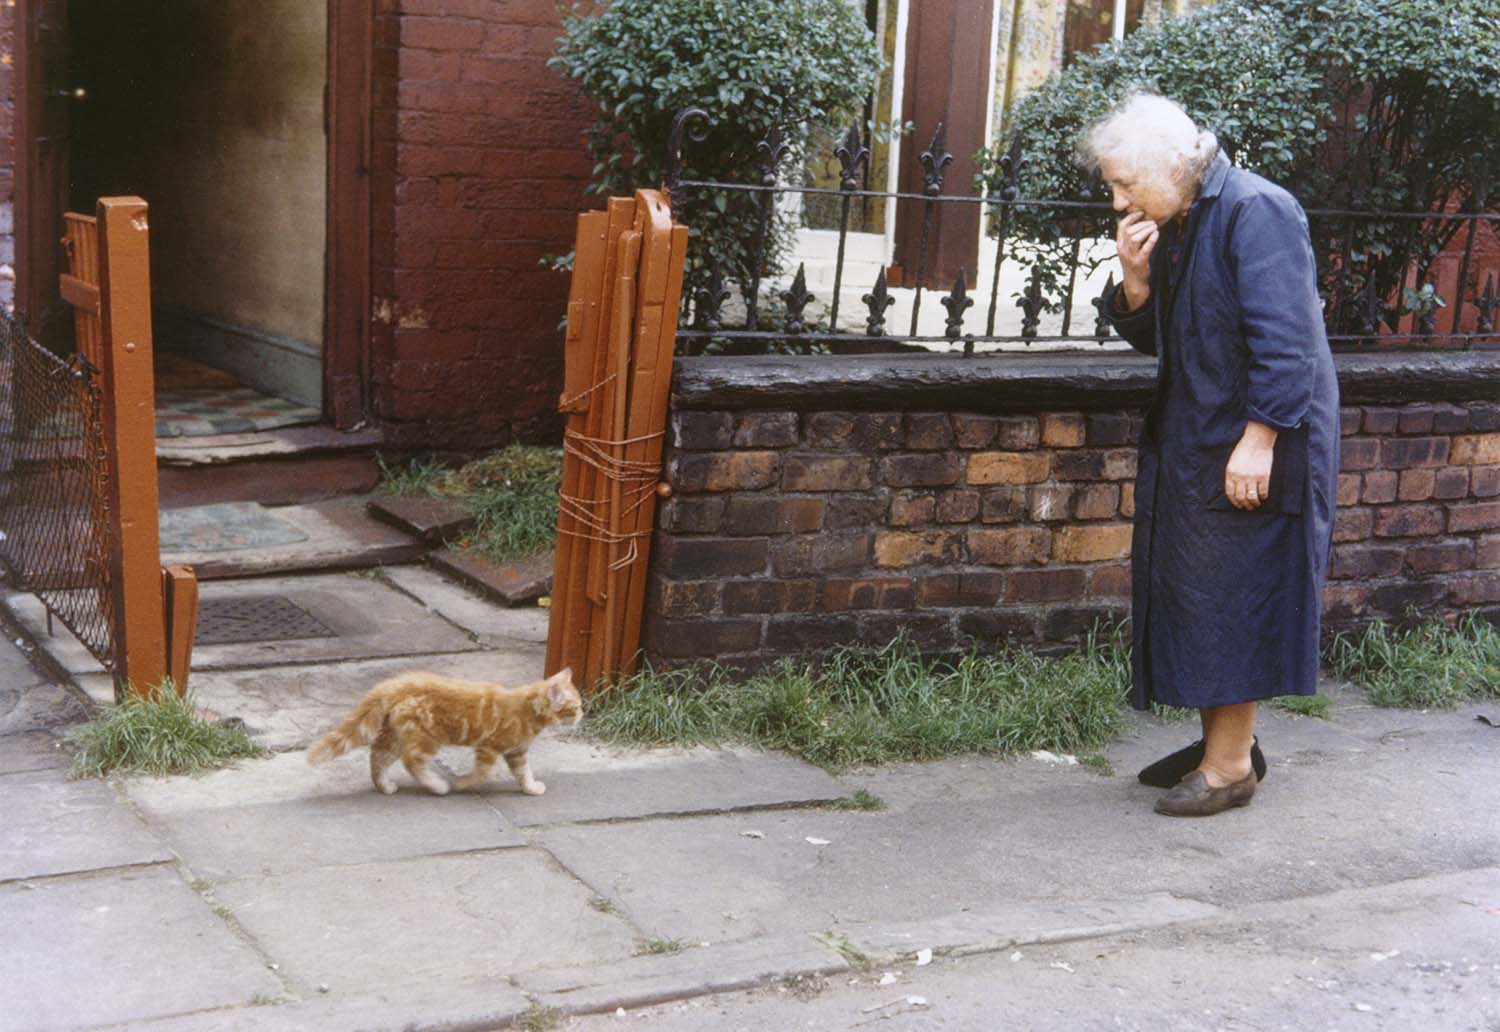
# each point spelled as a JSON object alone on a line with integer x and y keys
{"x": 1169, "y": 770}
{"x": 1192, "y": 796}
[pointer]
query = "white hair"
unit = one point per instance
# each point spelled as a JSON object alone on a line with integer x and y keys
{"x": 1148, "y": 134}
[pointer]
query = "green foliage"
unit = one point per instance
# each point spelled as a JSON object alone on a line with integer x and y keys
{"x": 1304, "y": 705}
{"x": 752, "y": 65}
{"x": 658, "y": 944}
{"x": 512, "y": 495}
{"x": 161, "y": 734}
{"x": 868, "y": 705}
{"x": 1395, "y": 103}
{"x": 1430, "y": 665}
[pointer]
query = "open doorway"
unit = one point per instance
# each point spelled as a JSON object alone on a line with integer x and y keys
{"x": 212, "y": 110}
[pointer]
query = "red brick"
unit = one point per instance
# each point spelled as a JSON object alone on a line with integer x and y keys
{"x": 999, "y": 626}
{"x": 1348, "y": 489}
{"x": 1406, "y": 452}
{"x": 981, "y": 588}
{"x": 1365, "y": 562}
{"x": 694, "y": 515}
{"x": 685, "y": 598}
{"x": 928, "y": 430}
{"x": 930, "y": 632}
{"x": 958, "y": 507}
{"x": 1017, "y": 433}
{"x": 770, "y": 596}
{"x": 1451, "y": 483}
{"x": 1347, "y": 601}
{"x": 691, "y": 558}
{"x": 1380, "y": 487}
{"x": 1484, "y": 415}
{"x": 1045, "y": 585}
{"x": 1353, "y": 524}
{"x": 970, "y": 431}
{"x": 1110, "y": 582}
{"x": 1012, "y": 546}
{"x": 1381, "y": 420}
{"x": 912, "y": 510}
{"x": 848, "y": 511}
{"x": 765, "y": 430}
{"x": 868, "y": 593}
{"x": 1449, "y": 419}
{"x": 773, "y": 514}
{"x": 862, "y": 431}
{"x": 1110, "y": 429}
{"x": 1484, "y": 481}
{"x": 899, "y": 548}
{"x": 1097, "y": 502}
{"x": 702, "y": 431}
{"x": 1440, "y": 557}
{"x": 1409, "y": 521}
{"x": 706, "y": 639}
{"x": 811, "y": 632}
{"x": 920, "y": 469}
{"x": 1003, "y": 505}
{"x": 1476, "y": 588}
{"x": 1127, "y": 499}
{"x": 1008, "y": 467}
{"x": 1071, "y": 623}
{"x": 1095, "y": 464}
{"x": 1416, "y": 419}
{"x": 1063, "y": 430}
{"x": 725, "y": 471}
{"x": 1487, "y": 552}
{"x": 1357, "y": 453}
{"x": 1349, "y": 420}
{"x": 1417, "y": 485}
{"x": 817, "y": 554}
{"x": 827, "y": 473}
{"x": 1468, "y": 516}
{"x": 1089, "y": 544}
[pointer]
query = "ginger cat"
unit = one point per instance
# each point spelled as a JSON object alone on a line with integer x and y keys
{"x": 413, "y": 715}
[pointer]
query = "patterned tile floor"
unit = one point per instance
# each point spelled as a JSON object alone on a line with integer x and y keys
{"x": 234, "y": 410}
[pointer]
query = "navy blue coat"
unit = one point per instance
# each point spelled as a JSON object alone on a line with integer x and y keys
{"x": 1226, "y": 603}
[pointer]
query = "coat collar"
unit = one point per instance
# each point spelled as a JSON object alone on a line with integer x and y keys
{"x": 1213, "y": 179}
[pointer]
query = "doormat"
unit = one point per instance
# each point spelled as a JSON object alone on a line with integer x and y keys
{"x": 224, "y": 527}
{"x": 234, "y": 410}
{"x": 236, "y": 621}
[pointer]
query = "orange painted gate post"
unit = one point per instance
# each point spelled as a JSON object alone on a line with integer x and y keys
{"x": 154, "y": 610}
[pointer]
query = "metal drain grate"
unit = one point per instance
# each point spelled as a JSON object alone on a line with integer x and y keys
{"x": 225, "y": 621}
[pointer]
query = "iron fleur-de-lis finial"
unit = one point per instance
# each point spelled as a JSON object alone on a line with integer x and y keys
{"x": 1102, "y": 326}
{"x": 853, "y": 156}
{"x": 1031, "y": 305}
{"x": 1486, "y": 305}
{"x": 957, "y": 303}
{"x": 935, "y": 161}
{"x": 1010, "y": 171}
{"x": 771, "y": 150}
{"x": 708, "y": 300}
{"x": 797, "y": 299}
{"x": 878, "y": 301}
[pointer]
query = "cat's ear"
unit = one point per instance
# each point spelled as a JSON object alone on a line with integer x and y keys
{"x": 558, "y": 693}
{"x": 563, "y": 676}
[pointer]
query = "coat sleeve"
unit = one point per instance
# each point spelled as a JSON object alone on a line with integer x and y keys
{"x": 1138, "y": 327}
{"x": 1275, "y": 281}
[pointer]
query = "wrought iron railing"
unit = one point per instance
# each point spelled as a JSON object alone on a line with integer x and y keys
{"x": 1375, "y": 267}
{"x": 54, "y": 508}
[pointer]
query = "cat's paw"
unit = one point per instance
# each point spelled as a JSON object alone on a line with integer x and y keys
{"x": 437, "y": 786}
{"x": 385, "y": 787}
{"x": 534, "y": 788}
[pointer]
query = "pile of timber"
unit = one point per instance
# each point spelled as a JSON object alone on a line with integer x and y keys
{"x": 622, "y": 326}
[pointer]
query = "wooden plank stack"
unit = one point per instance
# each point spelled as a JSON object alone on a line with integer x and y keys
{"x": 622, "y": 328}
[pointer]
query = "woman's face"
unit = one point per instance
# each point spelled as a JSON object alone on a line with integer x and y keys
{"x": 1157, "y": 195}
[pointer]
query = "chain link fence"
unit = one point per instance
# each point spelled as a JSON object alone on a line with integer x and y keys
{"x": 54, "y": 509}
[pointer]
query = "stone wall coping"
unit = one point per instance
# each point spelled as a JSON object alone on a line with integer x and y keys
{"x": 1034, "y": 382}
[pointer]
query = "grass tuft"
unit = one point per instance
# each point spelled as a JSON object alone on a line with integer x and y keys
{"x": 866, "y": 705}
{"x": 512, "y": 495}
{"x": 1427, "y": 666}
{"x": 1304, "y": 705}
{"x": 862, "y": 800}
{"x": 657, "y": 944}
{"x": 159, "y": 735}
{"x": 538, "y": 1018}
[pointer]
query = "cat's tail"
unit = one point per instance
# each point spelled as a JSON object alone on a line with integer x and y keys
{"x": 360, "y": 728}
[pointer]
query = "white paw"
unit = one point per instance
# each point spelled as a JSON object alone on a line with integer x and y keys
{"x": 437, "y": 787}
{"x": 386, "y": 787}
{"x": 533, "y": 788}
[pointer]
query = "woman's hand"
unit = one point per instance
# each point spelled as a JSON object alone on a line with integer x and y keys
{"x": 1247, "y": 478}
{"x": 1135, "y": 239}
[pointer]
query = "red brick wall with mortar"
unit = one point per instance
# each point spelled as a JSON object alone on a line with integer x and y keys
{"x": 479, "y": 170}
{"x": 789, "y": 532}
{"x": 7, "y": 154}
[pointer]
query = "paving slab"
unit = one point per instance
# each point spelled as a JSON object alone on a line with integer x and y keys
{"x": 589, "y": 781}
{"x": 33, "y": 751}
{"x": 640, "y": 981}
{"x": 82, "y": 952}
{"x": 289, "y": 707}
{"x": 434, "y": 520}
{"x": 38, "y": 706}
{"x": 55, "y": 826}
{"x": 493, "y": 625}
{"x": 280, "y": 814}
{"x": 331, "y": 535}
{"x": 198, "y": 530}
{"x": 979, "y": 833}
{"x": 515, "y": 583}
{"x": 417, "y": 922}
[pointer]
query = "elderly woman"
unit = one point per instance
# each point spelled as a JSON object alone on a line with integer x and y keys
{"x": 1239, "y": 457}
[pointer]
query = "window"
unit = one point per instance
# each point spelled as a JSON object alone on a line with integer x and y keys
{"x": 1091, "y": 22}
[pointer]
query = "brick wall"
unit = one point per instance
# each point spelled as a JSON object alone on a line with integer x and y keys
{"x": 478, "y": 172}
{"x": 791, "y": 531}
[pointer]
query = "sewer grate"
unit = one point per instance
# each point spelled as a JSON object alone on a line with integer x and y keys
{"x": 226, "y": 621}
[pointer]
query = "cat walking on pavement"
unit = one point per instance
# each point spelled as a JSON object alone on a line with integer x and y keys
{"x": 413, "y": 715}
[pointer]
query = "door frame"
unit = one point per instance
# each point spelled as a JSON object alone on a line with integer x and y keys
{"x": 347, "y": 103}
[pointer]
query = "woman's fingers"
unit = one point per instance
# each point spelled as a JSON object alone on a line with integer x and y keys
{"x": 1246, "y": 492}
